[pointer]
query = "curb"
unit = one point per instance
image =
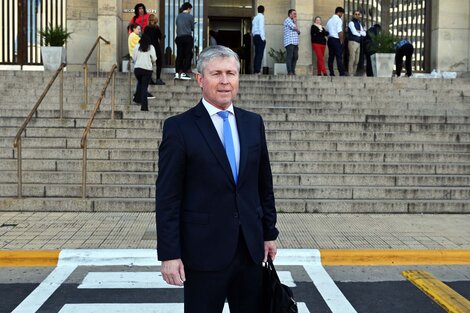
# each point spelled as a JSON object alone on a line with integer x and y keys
{"x": 394, "y": 257}
{"x": 148, "y": 257}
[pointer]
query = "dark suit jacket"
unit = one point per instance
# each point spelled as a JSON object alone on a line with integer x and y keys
{"x": 199, "y": 208}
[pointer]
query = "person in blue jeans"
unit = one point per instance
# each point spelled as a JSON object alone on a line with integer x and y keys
{"x": 335, "y": 42}
{"x": 259, "y": 38}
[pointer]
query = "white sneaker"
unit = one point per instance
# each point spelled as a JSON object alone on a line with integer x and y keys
{"x": 177, "y": 76}
{"x": 184, "y": 76}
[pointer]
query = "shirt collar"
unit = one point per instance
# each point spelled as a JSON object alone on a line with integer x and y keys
{"x": 212, "y": 110}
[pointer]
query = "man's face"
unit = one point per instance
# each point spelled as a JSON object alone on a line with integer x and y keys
{"x": 293, "y": 15}
{"x": 357, "y": 15}
{"x": 220, "y": 82}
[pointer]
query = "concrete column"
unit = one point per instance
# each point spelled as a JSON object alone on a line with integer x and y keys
{"x": 450, "y": 28}
{"x": 82, "y": 22}
{"x": 109, "y": 27}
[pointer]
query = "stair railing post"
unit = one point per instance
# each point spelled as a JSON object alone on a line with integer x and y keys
{"x": 85, "y": 84}
{"x": 113, "y": 95}
{"x": 61, "y": 94}
{"x": 98, "y": 60}
{"x": 84, "y": 169}
{"x": 129, "y": 79}
{"x": 19, "y": 169}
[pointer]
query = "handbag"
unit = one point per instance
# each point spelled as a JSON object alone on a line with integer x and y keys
{"x": 277, "y": 297}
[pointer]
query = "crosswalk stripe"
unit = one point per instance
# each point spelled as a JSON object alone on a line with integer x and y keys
{"x": 139, "y": 307}
{"x": 311, "y": 261}
{"x": 69, "y": 260}
{"x": 146, "y": 280}
{"x": 48, "y": 286}
{"x": 442, "y": 294}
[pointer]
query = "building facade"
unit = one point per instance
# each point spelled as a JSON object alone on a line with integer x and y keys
{"x": 445, "y": 44}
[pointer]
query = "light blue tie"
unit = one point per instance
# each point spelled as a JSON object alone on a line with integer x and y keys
{"x": 228, "y": 143}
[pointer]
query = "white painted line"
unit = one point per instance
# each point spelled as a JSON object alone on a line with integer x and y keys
{"x": 139, "y": 307}
{"x": 286, "y": 278}
{"x": 297, "y": 257}
{"x": 48, "y": 286}
{"x": 332, "y": 295}
{"x": 70, "y": 259}
{"x": 144, "y": 280}
{"x": 123, "y": 308}
{"x": 109, "y": 257}
{"x": 310, "y": 259}
{"x": 124, "y": 280}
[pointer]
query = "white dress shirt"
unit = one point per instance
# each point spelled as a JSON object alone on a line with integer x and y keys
{"x": 219, "y": 126}
{"x": 354, "y": 31}
{"x": 334, "y": 26}
{"x": 257, "y": 26}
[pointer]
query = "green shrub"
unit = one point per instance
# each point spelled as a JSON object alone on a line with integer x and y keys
{"x": 55, "y": 36}
{"x": 383, "y": 42}
{"x": 279, "y": 56}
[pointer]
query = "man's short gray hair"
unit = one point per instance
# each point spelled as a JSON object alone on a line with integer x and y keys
{"x": 213, "y": 52}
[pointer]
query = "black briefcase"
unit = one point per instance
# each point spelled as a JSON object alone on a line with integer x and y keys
{"x": 277, "y": 297}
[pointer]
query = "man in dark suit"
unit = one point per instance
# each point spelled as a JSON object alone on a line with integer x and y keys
{"x": 214, "y": 200}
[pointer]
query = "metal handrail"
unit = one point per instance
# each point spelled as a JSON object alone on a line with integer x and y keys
{"x": 129, "y": 76}
{"x": 85, "y": 66}
{"x": 17, "y": 143}
{"x": 84, "y": 141}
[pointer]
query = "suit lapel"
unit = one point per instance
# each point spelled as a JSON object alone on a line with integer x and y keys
{"x": 205, "y": 125}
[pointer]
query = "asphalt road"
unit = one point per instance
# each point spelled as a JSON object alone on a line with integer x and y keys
{"x": 138, "y": 289}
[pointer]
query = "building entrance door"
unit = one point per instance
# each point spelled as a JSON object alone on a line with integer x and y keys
{"x": 231, "y": 20}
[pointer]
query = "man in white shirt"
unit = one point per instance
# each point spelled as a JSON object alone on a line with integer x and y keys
{"x": 355, "y": 35}
{"x": 335, "y": 42}
{"x": 259, "y": 38}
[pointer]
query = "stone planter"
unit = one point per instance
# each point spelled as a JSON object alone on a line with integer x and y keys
{"x": 280, "y": 69}
{"x": 125, "y": 66}
{"x": 382, "y": 64}
{"x": 53, "y": 57}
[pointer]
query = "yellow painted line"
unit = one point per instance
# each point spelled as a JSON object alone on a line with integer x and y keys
{"x": 29, "y": 257}
{"x": 393, "y": 257}
{"x": 446, "y": 297}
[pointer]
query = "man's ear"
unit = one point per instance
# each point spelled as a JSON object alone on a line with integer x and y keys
{"x": 199, "y": 79}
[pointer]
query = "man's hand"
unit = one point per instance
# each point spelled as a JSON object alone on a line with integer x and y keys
{"x": 269, "y": 249}
{"x": 173, "y": 272}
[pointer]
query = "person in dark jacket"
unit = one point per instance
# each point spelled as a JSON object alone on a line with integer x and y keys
{"x": 155, "y": 35}
{"x": 369, "y": 50}
{"x": 184, "y": 41}
{"x": 318, "y": 35}
{"x": 403, "y": 48}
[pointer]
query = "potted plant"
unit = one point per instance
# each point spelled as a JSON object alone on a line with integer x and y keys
{"x": 383, "y": 43}
{"x": 53, "y": 52}
{"x": 279, "y": 58}
{"x": 125, "y": 63}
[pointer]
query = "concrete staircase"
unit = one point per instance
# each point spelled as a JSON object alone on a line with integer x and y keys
{"x": 336, "y": 144}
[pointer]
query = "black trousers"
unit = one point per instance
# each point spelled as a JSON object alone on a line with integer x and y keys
{"x": 143, "y": 80}
{"x": 335, "y": 50}
{"x": 184, "y": 46}
{"x": 158, "y": 52}
{"x": 407, "y": 52}
{"x": 240, "y": 283}
{"x": 259, "y": 51}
